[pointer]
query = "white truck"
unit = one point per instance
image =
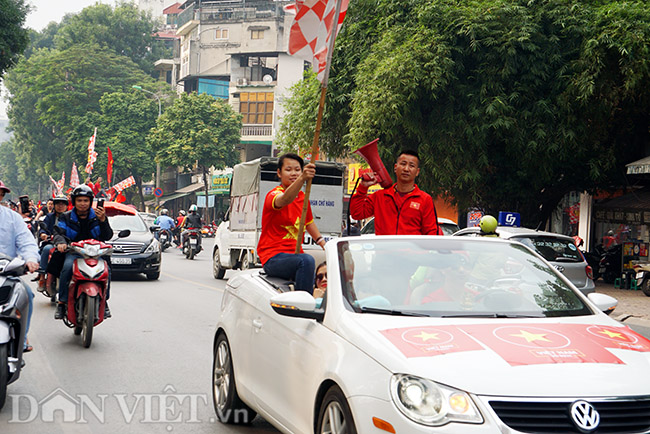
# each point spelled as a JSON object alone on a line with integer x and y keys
{"x": 235, "y": 245}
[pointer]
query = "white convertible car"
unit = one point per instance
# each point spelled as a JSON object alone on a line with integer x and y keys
{"x": 429, "y": 334}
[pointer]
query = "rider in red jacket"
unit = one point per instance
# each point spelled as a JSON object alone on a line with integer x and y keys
{"x": 401, "y": 209}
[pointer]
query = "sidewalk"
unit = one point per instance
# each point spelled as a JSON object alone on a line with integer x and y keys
{"x": 633, "y": 306}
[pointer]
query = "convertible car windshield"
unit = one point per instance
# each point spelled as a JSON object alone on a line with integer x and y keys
{"x": 452, "y": 277}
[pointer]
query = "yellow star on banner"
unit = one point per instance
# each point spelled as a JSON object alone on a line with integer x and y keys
{"x": 426, "y": 336}
{"x": 292, "y": 231}
{"x": 612, "y": 334}
{"x": 531, "y": 337}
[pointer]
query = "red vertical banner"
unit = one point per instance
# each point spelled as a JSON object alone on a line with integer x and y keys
{"x": 109, "y": 167}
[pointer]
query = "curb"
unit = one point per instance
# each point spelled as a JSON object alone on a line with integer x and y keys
{"x": 632, "y": 320}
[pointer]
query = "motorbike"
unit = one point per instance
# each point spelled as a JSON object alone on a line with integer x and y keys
{"x": 50, "y": 288}
{"x": 643, "y": 277}
{"x": 191, "y": 247}
{"x": 208, "y": 231}
{"x": 610, "y": 264}
{"x": 87, "y": 290}
{"x": 165, "y": 237}
{"x": 14, "y": 311}
{"x": 593, "y": 257}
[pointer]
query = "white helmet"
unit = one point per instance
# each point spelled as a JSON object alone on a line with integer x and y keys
{"x": 194, "y": 208}
{"x": 164, "y": 211}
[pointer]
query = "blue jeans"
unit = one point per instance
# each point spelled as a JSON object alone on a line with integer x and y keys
{"x": 30, "y": 297}
{"x": 297, "y": 267}
{"x": 45, "y": 255}
{"x": 66, "y": 276}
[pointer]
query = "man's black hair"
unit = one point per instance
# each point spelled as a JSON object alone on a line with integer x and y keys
{"x": 410, "y": 152}
{"x": 292, "y": 157}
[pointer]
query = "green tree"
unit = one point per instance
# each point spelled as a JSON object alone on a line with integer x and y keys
{"x": 197, "y": 130}
{"x": 13, "y": 36}
{"x": 125, "y": 29}
{"x": 510, "y": 103}
{"x": 54, "y": 104}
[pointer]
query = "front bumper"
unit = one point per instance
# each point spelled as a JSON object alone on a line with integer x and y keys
{"x": 140, "y": 263}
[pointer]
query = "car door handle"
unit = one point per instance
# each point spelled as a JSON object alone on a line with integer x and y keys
{"x": 257, "y": 323}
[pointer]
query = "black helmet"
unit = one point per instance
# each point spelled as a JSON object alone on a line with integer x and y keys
{"x": 82, "y": 190}
{"x": 60, "y": 199}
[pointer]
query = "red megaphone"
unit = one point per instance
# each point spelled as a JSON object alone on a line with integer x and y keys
{"x": 370, "y": 154}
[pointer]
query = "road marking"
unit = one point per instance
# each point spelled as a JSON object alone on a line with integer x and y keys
{"x": 191, "y": 281}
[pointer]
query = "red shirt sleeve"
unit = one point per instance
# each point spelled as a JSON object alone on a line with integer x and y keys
{"x": 430, "y": 218}
{"x": 361, "y": 204}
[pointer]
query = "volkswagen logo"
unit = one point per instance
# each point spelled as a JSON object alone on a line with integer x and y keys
{"x": 118, "y": 248}
{"x": 584, "y": 416}
{"x": 559, "y": 268}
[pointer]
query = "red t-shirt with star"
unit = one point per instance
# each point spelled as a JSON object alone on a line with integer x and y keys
{"x": 280, "y": 226}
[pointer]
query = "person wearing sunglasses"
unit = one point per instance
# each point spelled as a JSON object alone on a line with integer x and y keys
{"x": 321, "y": 280}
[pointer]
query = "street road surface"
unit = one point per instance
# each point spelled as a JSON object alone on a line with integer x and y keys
{"x": 148, "y": 369}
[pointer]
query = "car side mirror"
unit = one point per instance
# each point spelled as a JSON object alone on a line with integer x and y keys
{"x": 603, "y": 302}
{"x": 124, "y": 233}
{"x": 297, "y": 304}
{"x": 154, "y": 228}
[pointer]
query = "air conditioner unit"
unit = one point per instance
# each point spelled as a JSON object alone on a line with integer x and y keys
{"x": 242, "y": 81}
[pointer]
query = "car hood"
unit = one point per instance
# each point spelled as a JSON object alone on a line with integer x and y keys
{"x": 582, "y": 356}
{"x": 135, "y": 237}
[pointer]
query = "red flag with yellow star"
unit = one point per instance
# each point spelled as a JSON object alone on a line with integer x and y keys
{"x": 430, "y": 341}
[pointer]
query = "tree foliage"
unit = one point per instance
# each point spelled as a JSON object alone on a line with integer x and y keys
{"x": 510, "y": 103}
{"x": 13, "y": 36}
{"x": 197, "y": 130}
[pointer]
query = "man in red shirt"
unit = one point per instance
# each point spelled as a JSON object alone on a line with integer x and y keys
{"x": 280, "y": 221}
{"x": 402, "y": 208}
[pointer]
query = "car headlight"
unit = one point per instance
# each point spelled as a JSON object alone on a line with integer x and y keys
{"x": 426, "y": 402}
{"x": 154, "y": 247}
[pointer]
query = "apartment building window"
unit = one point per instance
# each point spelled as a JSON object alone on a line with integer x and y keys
{"x": 257, "y": 34}
{"x": 221, "y": 34}
{"x": 256, "y": 107}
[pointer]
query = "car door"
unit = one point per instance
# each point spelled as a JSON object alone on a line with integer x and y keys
{"x": 289, "y": 353}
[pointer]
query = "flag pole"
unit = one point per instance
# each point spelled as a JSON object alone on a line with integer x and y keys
{"x": 319, "y": 118}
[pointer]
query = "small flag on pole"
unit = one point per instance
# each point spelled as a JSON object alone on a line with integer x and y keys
{"x": 312, "y": 29}
{"x": 92, "y": 155}
{"x": 74, "y": 176}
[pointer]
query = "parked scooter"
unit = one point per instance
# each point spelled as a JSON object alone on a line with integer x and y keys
{"x": 610, "y": 264}
{"x": 643, "y": 277}
{"x": 87, "y": 290}
{"x": 192, "y": 246}
{"x": 165, "y": 237}
{"x": 14, "y": 311}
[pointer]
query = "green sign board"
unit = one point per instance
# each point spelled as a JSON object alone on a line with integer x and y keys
{"x": 220, "y": 184}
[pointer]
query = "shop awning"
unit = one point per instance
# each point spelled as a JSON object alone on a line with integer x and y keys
{"x": 190, "y": 188}
{"x": 164, "y": 199}
{"x": 639, "y": 167}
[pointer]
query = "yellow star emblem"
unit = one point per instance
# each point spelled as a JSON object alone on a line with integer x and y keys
{"x": 426, "y": 336}
{"x": 531, "y": 337}
{"x": 612, "y": 334}
{"x": 292, "y": 230}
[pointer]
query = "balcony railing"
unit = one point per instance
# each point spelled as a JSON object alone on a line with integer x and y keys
{"x": 257, "y": 130}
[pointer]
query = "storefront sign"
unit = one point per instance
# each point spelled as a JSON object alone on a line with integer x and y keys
{"x": 220, "y": 184}
{"x": 353, "y": 175}
{"x": 622, "y": 216}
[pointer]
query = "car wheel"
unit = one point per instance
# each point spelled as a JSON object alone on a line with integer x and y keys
{"x": 153, "y": 276}
{"x": 335, "y": 415}
{"x": 245, "y": 262}
{"x": 227, "y": 405}
{"x": 645, "y": 287}
{"x": 217, "y": 270}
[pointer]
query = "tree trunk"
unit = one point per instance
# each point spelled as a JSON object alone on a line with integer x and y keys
{"x": 138, "y": 182}
{"x": 205, "y": 188}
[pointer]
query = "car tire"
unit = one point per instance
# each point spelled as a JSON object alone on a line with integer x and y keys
{"x": 153, "y": 276}
{"x": 229, "y": 408}
{"x": 645, "y": 287}
{"x": 335, "y": 414}
{"x": 217, "y": 270}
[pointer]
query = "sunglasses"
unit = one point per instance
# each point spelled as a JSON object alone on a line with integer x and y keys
{"x": 321, "y": 276}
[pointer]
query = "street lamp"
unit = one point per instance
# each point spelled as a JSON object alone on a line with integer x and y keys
{"x": 135, "y": 86}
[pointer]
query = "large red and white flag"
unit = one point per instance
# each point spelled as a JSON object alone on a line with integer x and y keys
{"x": 128, "y": 182}
{"x": 60, "y": 184}
{"x": 312, "y": 30}
{"x": 92, "y": 155}
{"x": 74, "y": 176}
{"x": 55, "y": 190}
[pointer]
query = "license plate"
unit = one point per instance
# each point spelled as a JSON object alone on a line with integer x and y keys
{"x": 639, "y": 276}
{"x": 193, "y": 241}
{"x": 121, "y": 261}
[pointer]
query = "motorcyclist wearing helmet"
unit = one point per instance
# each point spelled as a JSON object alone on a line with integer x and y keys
{"x": 80, "y": 223}
{"x": 165, "y": 222}
{"x": 192, "y": 221}
{"x": 46, "y": 231}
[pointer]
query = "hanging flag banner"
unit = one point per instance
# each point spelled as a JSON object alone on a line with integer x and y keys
{"x": 61, "y": 183}
{"x": 74, "y": 176}
{"x": 109, "y": 166}
{"x": 128, "y": 182}
{"x": 56, "y": 191}
{"x": 92, "y": 155}
{"x": 311, "y": 31}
